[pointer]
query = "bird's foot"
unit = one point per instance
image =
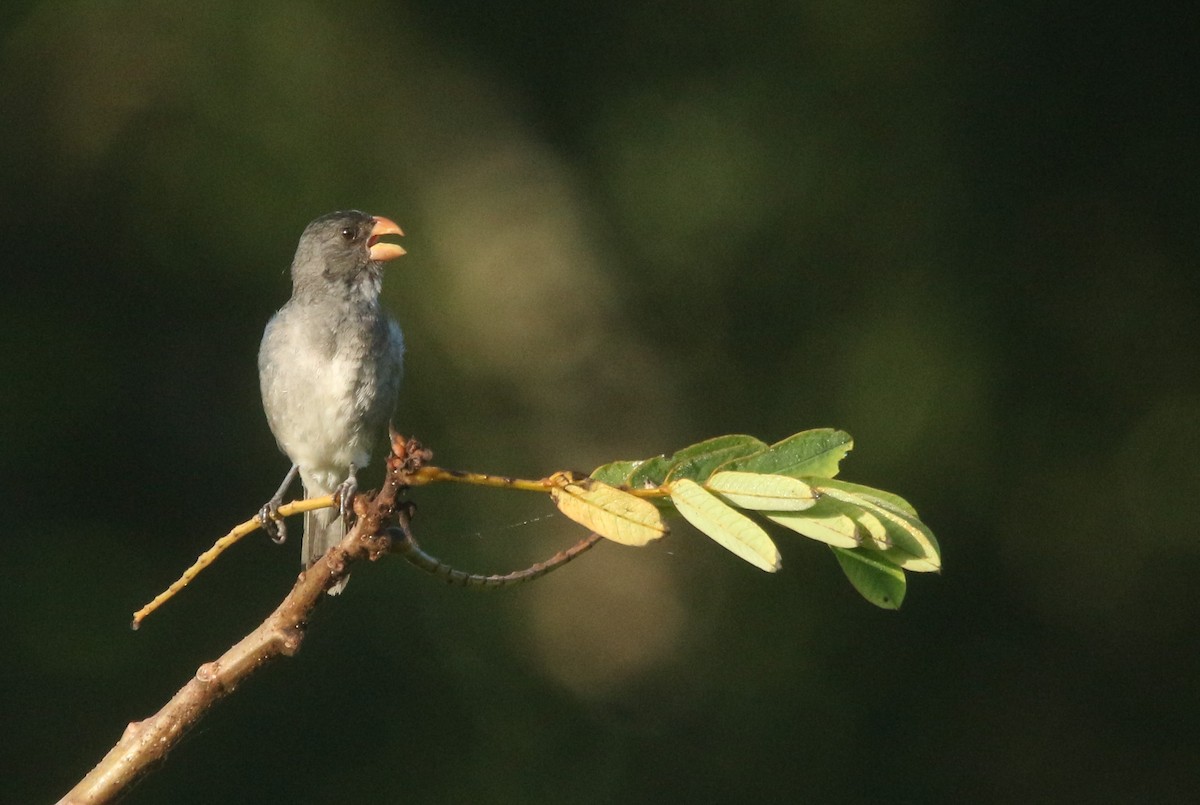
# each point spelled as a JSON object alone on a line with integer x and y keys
{"x": 345, "y": 497}
{"x": 269, "y": 517}
{"x": 271, "y": 521}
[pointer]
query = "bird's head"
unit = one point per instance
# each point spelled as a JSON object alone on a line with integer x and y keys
{"x": 344, "y": 246}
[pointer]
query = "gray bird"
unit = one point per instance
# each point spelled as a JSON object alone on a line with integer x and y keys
{"x": 329, "y": 367}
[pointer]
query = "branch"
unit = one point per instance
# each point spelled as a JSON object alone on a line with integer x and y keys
{"x": 146, "y": 742}
{"x": 875, "y": 536}
{"x": 406, "y": 546}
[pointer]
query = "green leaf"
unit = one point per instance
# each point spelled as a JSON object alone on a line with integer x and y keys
{"x": 876, "y": 579}
{"x": 698, "y": 461}
{"x": 728, "y": 528}
{"x": 910, "y": 543}
{"x": 611, "y": 513}
{"x": 827, "y": 522}
{"x": 641, "y": 474}
{"x": 616, "y": 473}
{"x": 811, "y": 452}
{"x": 749, "y": 490}
{"x": 649, "y": 473}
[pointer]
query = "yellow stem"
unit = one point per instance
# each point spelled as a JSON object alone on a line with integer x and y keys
{"x": 430, "y": 475}
{"x": 220, "y": 546}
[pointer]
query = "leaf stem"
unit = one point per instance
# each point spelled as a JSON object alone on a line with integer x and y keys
{"x": 432, "y": 475}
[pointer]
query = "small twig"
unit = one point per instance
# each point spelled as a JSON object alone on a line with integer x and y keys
{"x": 405, "y": 544}
{"x": 146, "y": 742}
{"x": 220, "y": 546}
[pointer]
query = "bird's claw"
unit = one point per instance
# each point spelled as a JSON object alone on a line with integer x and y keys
{"x": 271, "y": 521}
{"x": 345, "y": 497}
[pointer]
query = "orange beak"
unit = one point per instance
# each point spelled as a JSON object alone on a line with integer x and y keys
{"x": 382, "y": 250}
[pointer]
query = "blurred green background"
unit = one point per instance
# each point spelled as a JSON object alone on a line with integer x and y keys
{"x": 965, "y": 233}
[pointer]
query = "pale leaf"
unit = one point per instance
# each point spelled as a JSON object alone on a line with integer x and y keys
{"x": 728, "y": 528}
{"x": 750, "y": 490}
{"x": 611, "y": 513}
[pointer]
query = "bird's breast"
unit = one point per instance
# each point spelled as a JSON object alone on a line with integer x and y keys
{"x": 328, "y": 386}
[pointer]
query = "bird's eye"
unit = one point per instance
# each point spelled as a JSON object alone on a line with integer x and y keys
{"x": 348, "y": 233}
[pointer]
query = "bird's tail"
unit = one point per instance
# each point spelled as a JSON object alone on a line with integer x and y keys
{"x": 323, "y": 528}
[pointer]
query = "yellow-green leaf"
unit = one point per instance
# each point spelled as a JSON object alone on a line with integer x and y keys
{"x": 834, "y": 528}
{"x": 749, "y": 490}
{"x": 728, "y": 528}
{"x": 910, "y": 543}
{"x": 913, "y": 544}
{"x": 872, "y": 530}
{"x": 611, "y": 513}
{"x": 879, "y": 497}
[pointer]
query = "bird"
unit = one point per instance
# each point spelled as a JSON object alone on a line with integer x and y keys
{"x": 330, "y": 366}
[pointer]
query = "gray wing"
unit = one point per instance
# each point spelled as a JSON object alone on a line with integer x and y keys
{"x": 389, "y": 374}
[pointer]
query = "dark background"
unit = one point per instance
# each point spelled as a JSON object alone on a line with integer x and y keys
{"x": 965, "y": 233}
